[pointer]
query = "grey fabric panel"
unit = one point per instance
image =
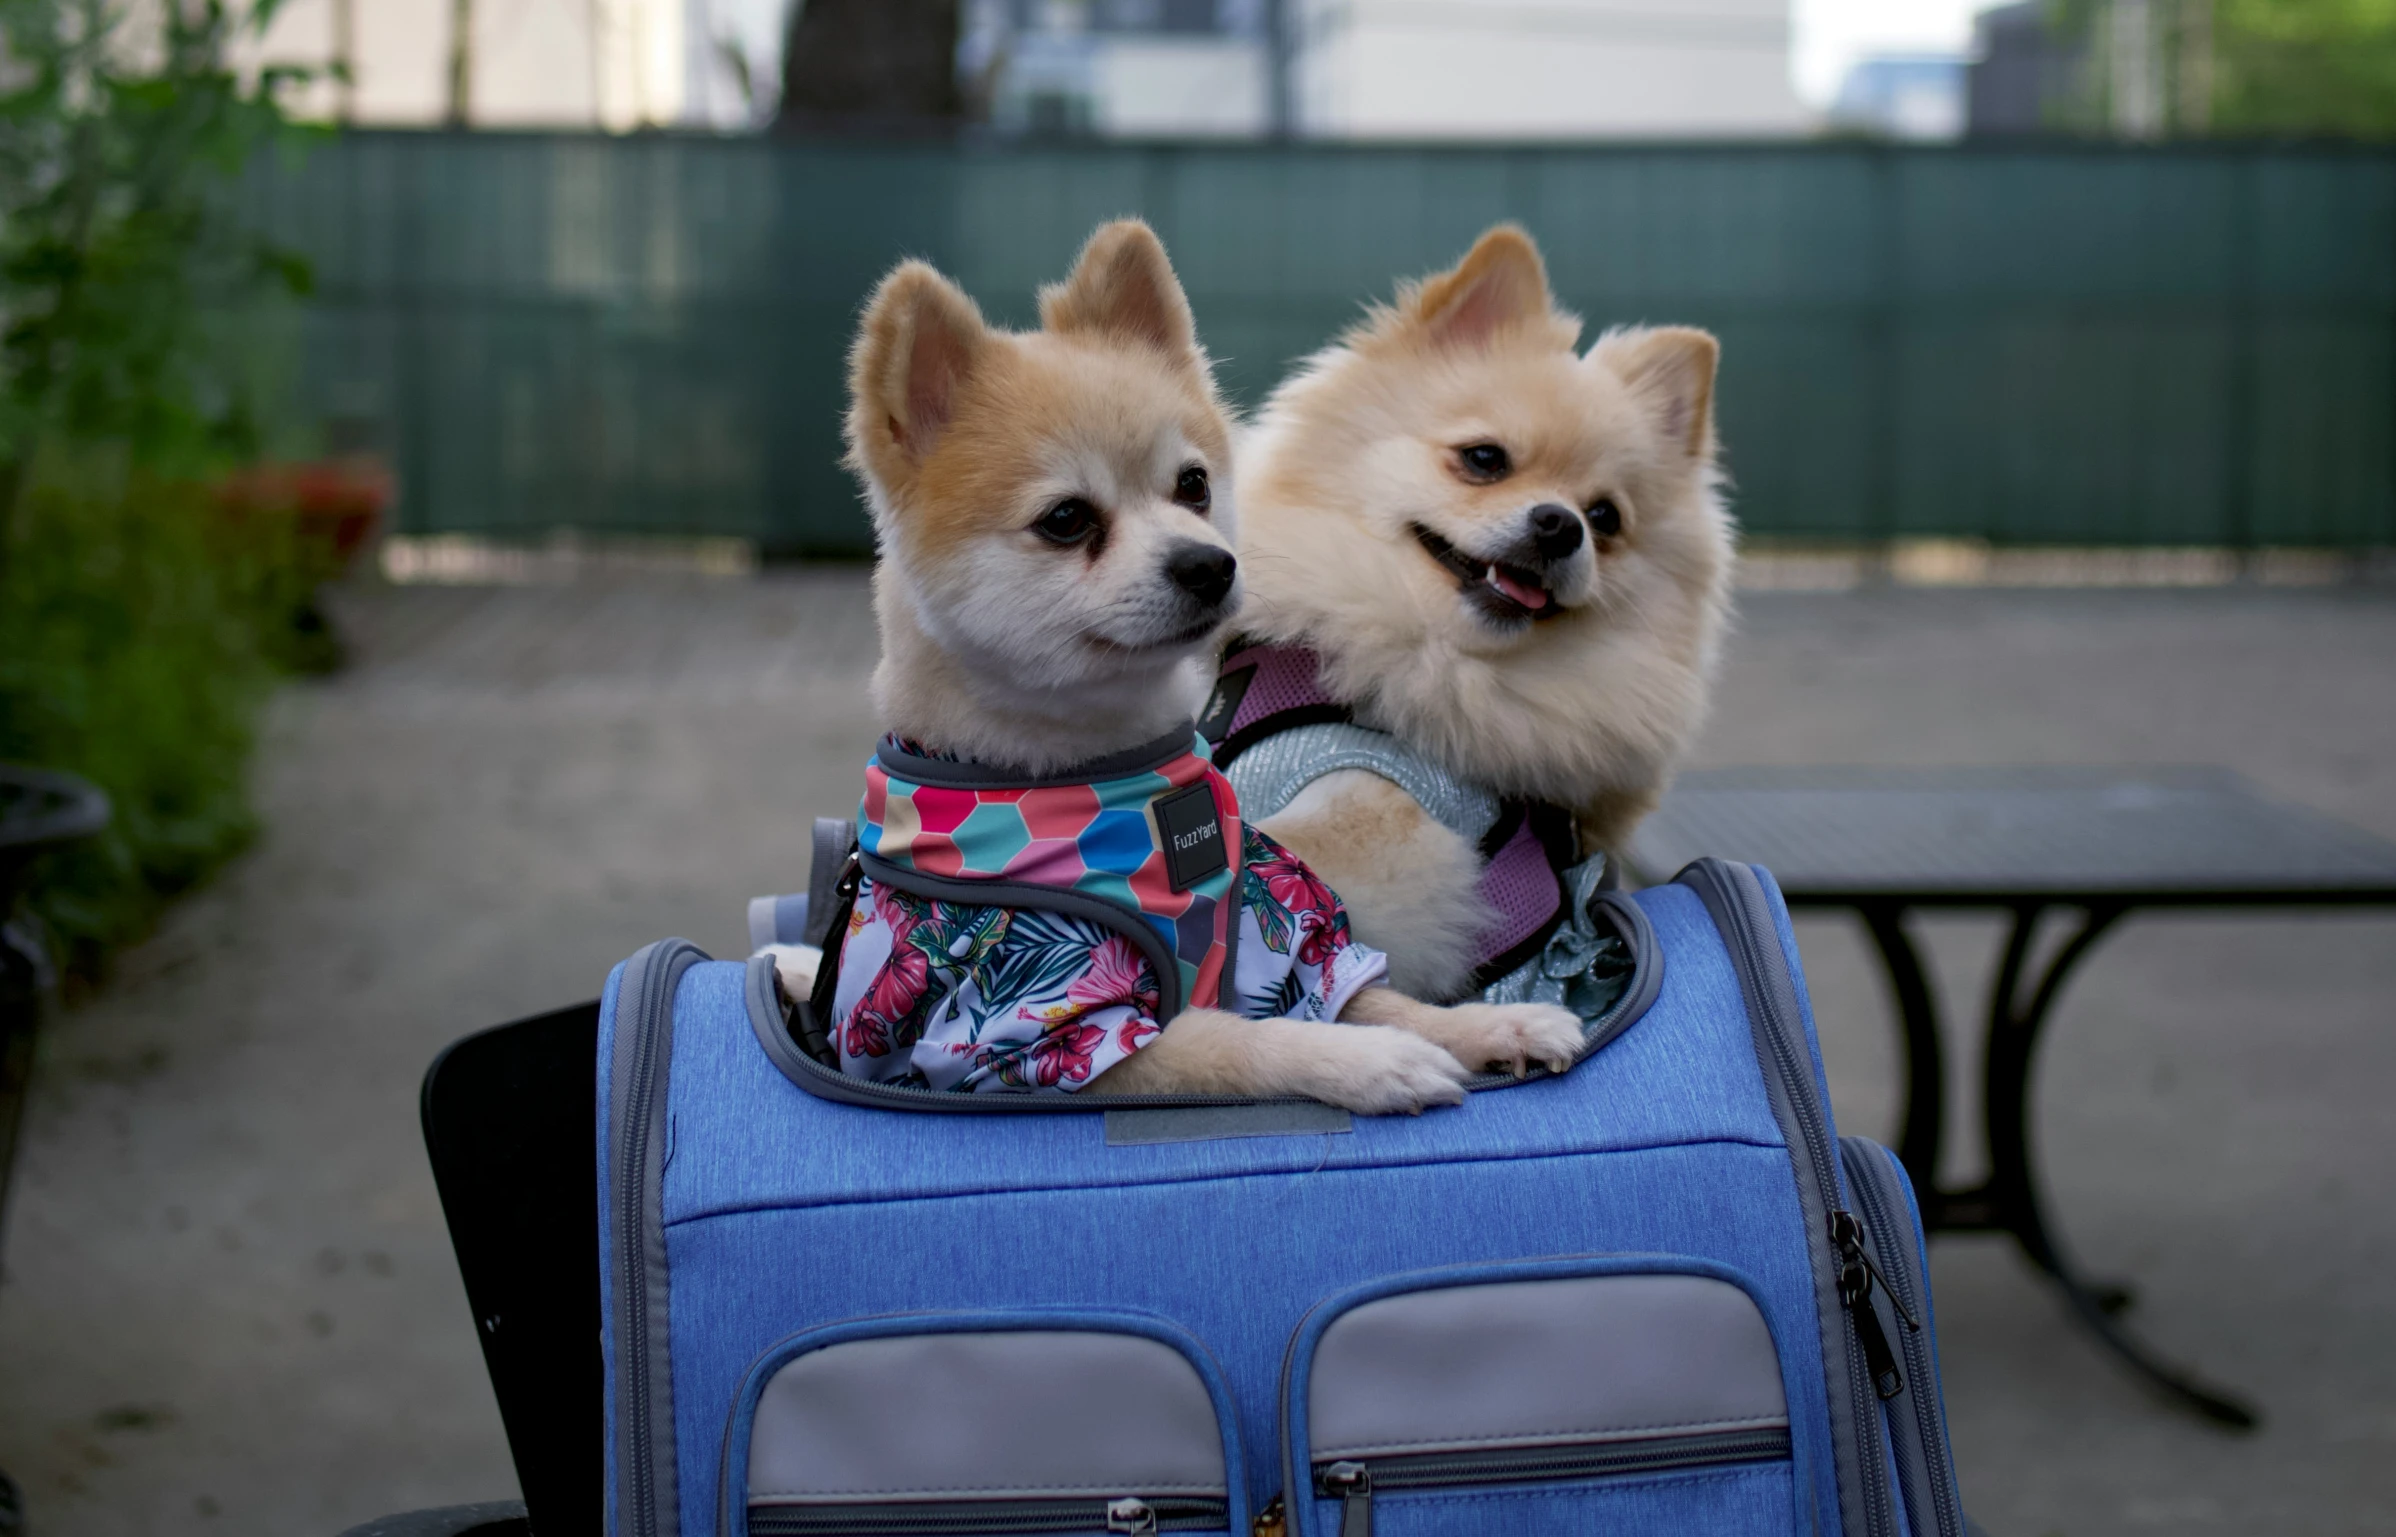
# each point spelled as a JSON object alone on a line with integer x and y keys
{"x": 961, "y": 774}
{"x": 1214, "y": 1123}
{"x": 1522, "y": 1363}
{"x": 967, "y": 1416}
{"x": 1269, "y": 775}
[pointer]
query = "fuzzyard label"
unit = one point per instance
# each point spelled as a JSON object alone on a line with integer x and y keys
{"x": 1192, "y": 833}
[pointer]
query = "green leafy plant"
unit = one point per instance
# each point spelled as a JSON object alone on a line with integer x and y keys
{"x": 2306, "y": 67}
{"x": 2237, "y": 68}
{"x": 139, "y": 625}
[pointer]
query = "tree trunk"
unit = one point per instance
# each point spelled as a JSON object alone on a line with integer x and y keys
{"x": 873, "y": 65}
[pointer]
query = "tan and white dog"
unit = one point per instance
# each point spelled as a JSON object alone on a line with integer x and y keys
{"x": 1055, "y": 524}
{"x": 1510, "y": 554}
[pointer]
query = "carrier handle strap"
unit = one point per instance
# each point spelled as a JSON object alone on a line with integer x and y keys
{"x": 831, "y": 895}
{"x": 835, "y": 840}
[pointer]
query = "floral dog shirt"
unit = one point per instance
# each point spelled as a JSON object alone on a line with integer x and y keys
{"x": 938, "y": 991}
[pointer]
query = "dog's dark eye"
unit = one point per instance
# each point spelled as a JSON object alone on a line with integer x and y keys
{"x": 1068, "y": 522}
{"x": 1192, "y": 491}
{"x": 1484, "y": 461}
{"x": 1605, "y": 519}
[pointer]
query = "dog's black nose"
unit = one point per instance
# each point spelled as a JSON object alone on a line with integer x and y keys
{"x": 1555, "y": 530}
{"x": 1204, "y": 571}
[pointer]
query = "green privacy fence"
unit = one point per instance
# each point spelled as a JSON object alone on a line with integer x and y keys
{"x": 2039, "y": 345}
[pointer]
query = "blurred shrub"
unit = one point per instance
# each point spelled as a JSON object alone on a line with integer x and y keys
{"x": 141, "y": 618}
{"x": 2238, "y": 68}
{"x": 137, "y": 638}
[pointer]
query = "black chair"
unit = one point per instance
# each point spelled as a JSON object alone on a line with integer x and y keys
{"x": 510, "y": 1124}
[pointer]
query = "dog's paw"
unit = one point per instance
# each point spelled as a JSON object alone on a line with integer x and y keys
{"x": 1512, "y": 1037}
{"x": 1380, "y": 1071}
{"x": 795, "y": 967}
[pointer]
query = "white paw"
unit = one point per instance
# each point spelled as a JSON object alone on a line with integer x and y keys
{"x": 1380, "y": 1071}
{"x": 1511, "y": 1037}
{"x": 795, "y": 965}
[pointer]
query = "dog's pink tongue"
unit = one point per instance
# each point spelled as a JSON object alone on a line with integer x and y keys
{"x": 1533, "y": 598}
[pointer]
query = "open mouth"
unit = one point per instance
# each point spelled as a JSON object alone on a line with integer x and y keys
{"x": 1501, "y": 591}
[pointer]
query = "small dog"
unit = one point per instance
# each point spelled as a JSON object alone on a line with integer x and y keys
{"x": 1510, "y": 555}
{"x": 1054, "y": 518}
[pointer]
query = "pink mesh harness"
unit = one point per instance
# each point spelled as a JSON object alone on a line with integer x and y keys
{"x": 1264, "y": 690}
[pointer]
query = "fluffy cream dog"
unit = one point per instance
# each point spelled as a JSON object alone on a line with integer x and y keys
{"x": 1055, "y": 523}
{"x": 1510, "y": 554}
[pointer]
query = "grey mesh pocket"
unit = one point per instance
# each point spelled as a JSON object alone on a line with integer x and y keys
{"x": 1562, "y": 1402}
{"x": 934, "y": 1428}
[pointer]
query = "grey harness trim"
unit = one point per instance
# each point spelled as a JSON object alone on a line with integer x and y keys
{"x": 1269, "y": 775}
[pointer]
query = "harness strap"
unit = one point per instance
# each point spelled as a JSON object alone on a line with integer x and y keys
{"x": 1272, "y": 716}
{"x": 1261, "y": 691}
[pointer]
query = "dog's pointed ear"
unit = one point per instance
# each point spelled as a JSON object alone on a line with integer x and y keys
{"x": 1123, "y": 285}
{"x": 920, "y": 339}
{"x": 1500, "y": 284}
{"x": 1670, "y": 371}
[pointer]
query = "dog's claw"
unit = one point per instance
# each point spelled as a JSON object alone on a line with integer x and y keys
{"x": 1381, "y": 1071}
{"x": 1512, "y": 1037}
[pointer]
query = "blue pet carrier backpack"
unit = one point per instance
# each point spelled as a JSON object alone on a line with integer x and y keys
{"x": 1654, "y": 1294}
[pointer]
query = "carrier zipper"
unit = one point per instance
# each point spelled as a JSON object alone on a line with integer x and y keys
{"x": 1892, "y": 1228}
{"x": 1856, "y": 1275}
{"x": 1141, "y": 1517}
{"x": 1868, "y": 1378}
{"x": 1351, "y": 1483}
{"x": 1354, "y": 1482}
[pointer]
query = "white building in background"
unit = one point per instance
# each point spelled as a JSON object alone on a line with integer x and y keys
{"x": 1411, "y": 69}
{"x": 615, "y": 64}
{"x": 1536, "y": 69}
{"x": 1481, "y": 69}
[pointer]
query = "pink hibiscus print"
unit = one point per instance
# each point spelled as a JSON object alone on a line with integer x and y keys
{"x": 898, "y": 912}
{"x": 893, "y": 995}
{"x": 1118, "y": 974}
{"x": 1315, "y": 911}
{"x": 1064, "y": 1054}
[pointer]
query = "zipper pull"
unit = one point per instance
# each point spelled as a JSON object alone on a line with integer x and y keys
{"x": 1851, "y": 1238}
{"x": 1270, "y": 1521}
{"x": 1133, "y": 1515}
{"x": 1855, "y": 1294}
{"x": 1353, "y": 1483}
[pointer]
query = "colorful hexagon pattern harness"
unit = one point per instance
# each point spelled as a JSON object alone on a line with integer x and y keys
{"x": 1017, "y": 932}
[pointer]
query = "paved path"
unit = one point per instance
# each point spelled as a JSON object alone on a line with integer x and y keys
{"x": 228, "y": 1303}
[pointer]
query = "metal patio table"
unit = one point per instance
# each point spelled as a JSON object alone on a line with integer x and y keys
{"x": 2101, "y": 843}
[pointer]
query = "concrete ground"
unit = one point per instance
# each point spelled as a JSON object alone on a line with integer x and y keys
{"x": 228, "y": 1302}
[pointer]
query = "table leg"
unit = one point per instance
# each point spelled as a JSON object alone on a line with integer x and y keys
{"x": 1924, "y": 1127}
{"x": 2011, "y": 1199}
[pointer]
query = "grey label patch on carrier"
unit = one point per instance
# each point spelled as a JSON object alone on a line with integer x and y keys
{"x": 1215, "y": 1123}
